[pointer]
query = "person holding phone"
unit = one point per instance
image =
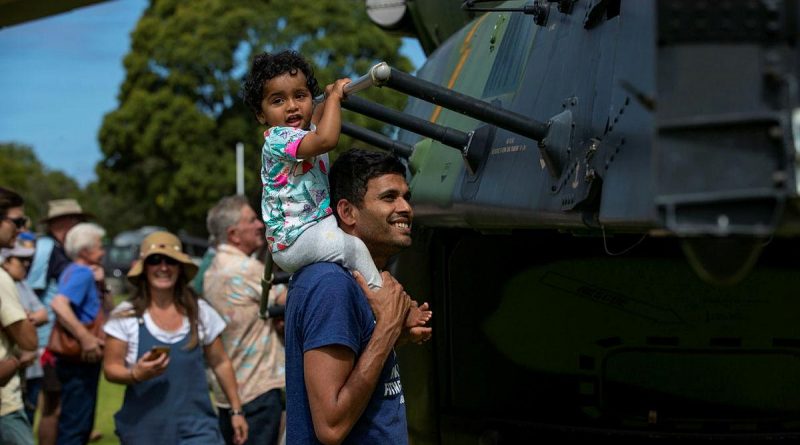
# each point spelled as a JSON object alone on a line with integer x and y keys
{"x": 158, "y": 351}
{"x": 158, "y": 343}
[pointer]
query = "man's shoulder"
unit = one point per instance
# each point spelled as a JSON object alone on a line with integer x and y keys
{"x": 322, "y": 281}
{"x": 231, "y": 261}
{"x": 317, "y": 271}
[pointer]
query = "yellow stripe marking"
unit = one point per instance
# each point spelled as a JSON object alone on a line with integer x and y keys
{"x": 466, "y": 48}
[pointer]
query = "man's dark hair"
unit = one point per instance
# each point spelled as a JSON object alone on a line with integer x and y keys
{"x": 266, "y": 66}
{"x": 354, "y": 168}
{"x": 9, "y": 199}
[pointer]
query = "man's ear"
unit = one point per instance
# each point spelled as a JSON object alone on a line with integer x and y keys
{"x": 348, "y": 213}
{"x": 232, "y": 237}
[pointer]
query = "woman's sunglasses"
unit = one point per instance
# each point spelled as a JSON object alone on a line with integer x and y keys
{"x": 155, "y": 260}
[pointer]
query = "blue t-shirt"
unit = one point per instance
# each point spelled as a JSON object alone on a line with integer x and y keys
{"x": 77, "y": 283}
{"x": 325, "y": 306}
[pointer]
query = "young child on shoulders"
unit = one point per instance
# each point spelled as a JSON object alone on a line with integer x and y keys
{"x": 301, "y": 228}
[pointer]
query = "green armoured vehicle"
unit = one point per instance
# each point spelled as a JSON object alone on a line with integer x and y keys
{"x": 608, "y": 248}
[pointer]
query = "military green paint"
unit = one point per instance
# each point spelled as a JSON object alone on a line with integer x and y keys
{"x": 450, "y": 18}
{"x": 438, "y": 168}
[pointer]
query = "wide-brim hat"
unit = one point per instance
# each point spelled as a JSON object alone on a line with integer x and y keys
{"x": 64, "y": 207}
{"x": 163, "y": 243}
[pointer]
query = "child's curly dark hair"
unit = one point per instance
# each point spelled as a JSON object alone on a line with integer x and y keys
{"x": 266, "y": 66}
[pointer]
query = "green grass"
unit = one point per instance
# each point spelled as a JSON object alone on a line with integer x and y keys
{"x": 109, "y": 400}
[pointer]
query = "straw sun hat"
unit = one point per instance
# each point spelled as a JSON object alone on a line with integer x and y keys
{"x": 163, "y": 243}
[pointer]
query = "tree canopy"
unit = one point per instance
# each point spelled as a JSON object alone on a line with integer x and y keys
{"x": 25, "y": 174}
{"x": 168, "y": 149}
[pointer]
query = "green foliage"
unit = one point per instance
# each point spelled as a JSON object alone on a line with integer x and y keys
{"x": 25, "y": 174}
{"x": 168, "y": 150}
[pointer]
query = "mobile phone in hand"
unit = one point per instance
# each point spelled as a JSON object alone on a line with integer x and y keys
{"x": 158, "y": 351}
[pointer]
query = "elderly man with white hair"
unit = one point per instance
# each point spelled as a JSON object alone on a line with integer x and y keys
{"x": 232, "y": 285}
{"x": 78, "y": 306}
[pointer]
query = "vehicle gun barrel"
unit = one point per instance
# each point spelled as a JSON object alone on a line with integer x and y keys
{"x": 469, "y": 106}
{"x": 378, "y": 71}
{"x": 446, "y": 135}
{"x": 377, "y": 139}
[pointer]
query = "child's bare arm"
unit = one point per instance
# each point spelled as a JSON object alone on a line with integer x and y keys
{"x": 330, "y": 124}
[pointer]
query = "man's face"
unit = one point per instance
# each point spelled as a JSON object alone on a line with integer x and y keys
{"x": 248, "y": 233}
{"x": 64, "y": 223}
{"x": 8, "y": 229}
{"x": 384, "y": 220}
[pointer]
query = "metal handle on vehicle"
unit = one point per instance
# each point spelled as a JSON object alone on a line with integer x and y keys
{"x": 375, "y": 76}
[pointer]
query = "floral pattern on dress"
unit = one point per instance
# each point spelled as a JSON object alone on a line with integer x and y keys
{"x": 295, "y": 192}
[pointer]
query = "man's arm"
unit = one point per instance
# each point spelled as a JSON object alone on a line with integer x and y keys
{"x": 338, "y": 386}
{"x": 8, "y": 368}
{"x": 23, "y": 334}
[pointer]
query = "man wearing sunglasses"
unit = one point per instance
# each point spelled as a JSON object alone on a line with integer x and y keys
{"x": 13, "y": 217}
{"x": 15, "y": 329}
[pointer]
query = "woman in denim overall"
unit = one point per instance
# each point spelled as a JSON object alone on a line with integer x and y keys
{"x": 158, "y": 344}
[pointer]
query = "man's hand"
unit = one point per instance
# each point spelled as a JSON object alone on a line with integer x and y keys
{"x": 389, "y": 303}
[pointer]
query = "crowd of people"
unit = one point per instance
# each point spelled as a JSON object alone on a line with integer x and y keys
{"x": 327, "y": 374}
{"x": 60, "y": 329}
